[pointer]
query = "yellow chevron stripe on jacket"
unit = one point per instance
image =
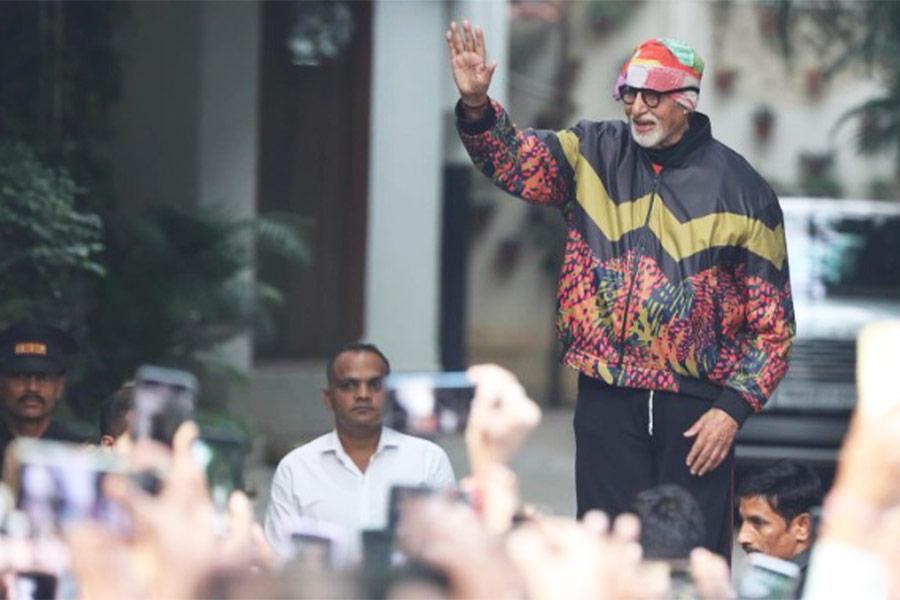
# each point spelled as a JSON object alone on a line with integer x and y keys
{"x": 680, "y": 240}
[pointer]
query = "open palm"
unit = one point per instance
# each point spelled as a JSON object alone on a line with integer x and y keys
{"x": 470, "y": 71}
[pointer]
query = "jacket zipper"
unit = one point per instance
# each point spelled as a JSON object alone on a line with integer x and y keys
{"x": 635, "y": 269}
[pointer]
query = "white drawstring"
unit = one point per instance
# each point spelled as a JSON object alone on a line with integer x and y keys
{"x": 650, "y": 415}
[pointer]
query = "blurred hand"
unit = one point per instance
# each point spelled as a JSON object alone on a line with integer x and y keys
{"x": 467, "y": 62}
{"x": 562, "y": 558}
{"x": 448, "y": 536}
{"x": 623, "y": 570}
{"x": 104, "y": 564}
{"x": 869, "y": 462}
{"x": 178, "y": 541}
{"x": 714, "y": 432}
{"x": 711, "y": 575}
{"x": 497, "y": 490}
{"x": 500, "y": 418}
{"x": 174, "y": 532}
{"x": 557, "y": 558}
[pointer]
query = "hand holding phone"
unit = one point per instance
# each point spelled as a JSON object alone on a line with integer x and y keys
{"x": 57, "y": 483}
{"x": 222, "y": 455}
{"x": 318, "y": 545}
{"x": 502, "y": 416}
{"x": 163, "y": 400}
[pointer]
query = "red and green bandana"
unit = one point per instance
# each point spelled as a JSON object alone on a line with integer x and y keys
{"x": 663, "y": 64}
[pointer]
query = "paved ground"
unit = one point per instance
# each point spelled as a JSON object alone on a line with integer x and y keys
{"x": 545, "y": 465}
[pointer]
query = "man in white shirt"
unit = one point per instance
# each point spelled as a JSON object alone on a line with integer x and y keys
{"x": 345, "y": 476}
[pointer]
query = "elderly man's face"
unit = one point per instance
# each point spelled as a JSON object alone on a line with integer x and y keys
{"x": 31, "y": 396}
{"x": 657, "y": 127}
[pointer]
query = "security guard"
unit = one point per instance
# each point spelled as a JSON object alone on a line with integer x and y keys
{"x": 32, "y": 379}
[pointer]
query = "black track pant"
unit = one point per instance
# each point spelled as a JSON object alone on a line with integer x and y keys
{"x": 624, "y": 443}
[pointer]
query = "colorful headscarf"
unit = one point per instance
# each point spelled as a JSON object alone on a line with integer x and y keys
{"x": 663, "y": 64}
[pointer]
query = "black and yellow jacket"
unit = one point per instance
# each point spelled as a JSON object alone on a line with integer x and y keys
{"x": 676, "y": 280}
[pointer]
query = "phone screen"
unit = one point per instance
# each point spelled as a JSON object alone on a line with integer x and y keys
{"x": 399, "y": 495}
{"x": 318, "y": 545}
{"x": 57, "y": 483}
{"x": 32, "y": 585}
{"x": 429, "y": 403}
{"x": 769, "y": 577}
{"x": 223, "y": 455}
{"x": 163, "y": 400}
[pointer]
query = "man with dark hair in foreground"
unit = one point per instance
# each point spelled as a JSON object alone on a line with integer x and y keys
{"x": 672, "y": 523}
{"x": 776, "y": 507}
{"x": 344, "y": 477}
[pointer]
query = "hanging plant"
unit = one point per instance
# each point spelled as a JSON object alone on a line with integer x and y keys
{"x": 763, "y": 123}
{"x": 724, "y": 79}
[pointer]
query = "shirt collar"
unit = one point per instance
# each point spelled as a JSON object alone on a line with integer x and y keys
{"x": 389, "y": 439}
{"x": 802, "y": 559}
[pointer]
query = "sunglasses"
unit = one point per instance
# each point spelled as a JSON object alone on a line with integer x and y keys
{"x": 651, "y": 97}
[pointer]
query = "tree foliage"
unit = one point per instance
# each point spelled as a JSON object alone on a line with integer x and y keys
{"x": 47, "y": 248}
{"x": 868, "y": 34}
{"x": 179, "y": 283}
{"x": 60, "y": 77}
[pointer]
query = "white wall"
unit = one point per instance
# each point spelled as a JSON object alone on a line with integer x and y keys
{"x": 154, "y": 147}
{"x": 228, "y": 125}
{"x": 402, "y": 271}
{"x": 763, "y": 77}
{"x": 186, "y": 126}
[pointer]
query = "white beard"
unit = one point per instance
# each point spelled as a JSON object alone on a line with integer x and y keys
{"x": 651, "y": 139}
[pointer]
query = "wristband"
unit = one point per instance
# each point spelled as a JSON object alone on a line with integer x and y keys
{"x": 481, "y": 106}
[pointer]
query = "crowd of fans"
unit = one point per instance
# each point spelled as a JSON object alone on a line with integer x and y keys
{"x": 481, "y": 540}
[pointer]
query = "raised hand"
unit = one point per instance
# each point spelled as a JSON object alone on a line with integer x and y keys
{"x": 471, "y": 73}
{"x": 501, "y": 417}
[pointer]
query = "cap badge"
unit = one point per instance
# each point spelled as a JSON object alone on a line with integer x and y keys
{"x": 31, "y": 348}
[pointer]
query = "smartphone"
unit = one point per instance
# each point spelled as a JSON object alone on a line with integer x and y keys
{"x": 33, "y": 585}
{"x": 378, "y": 552}
{"x": 877, "y": 349}
{"x": 163, "y": 400}
{"x": 677, "y": 571}
{"x": 318, "y": 545}
{"x": 222, "y": 455}
{"x": 429, "y": 403}
{"x": 57, "y": 483}
{"x": 769, "y": 577}
{"x": 400, "y": 494}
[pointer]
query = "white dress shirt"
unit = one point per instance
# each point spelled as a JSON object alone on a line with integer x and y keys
{"x": 319, "y": 480}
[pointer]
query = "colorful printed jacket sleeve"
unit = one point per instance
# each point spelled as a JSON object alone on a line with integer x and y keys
{"x": 527, "y": 164}
{"x": 763, "y": 343}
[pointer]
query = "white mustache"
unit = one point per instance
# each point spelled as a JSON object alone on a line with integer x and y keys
{"x": 645, "y": 120}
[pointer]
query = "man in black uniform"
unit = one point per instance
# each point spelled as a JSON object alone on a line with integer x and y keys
{"x": 32, "y": 379}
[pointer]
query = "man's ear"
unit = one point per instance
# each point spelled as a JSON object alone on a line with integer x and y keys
{"x": 326, "y": 400}
{"x": 801, "y": 526}
{"x": 107, "y": 441}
